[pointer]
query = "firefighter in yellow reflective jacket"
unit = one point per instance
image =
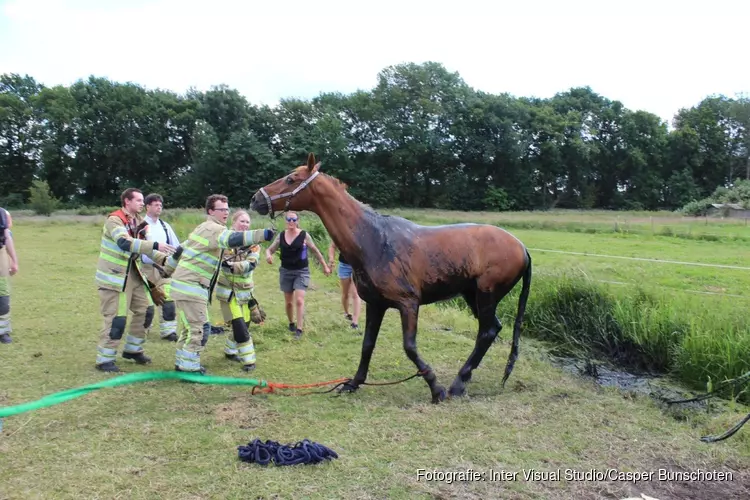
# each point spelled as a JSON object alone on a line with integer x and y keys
{"x": 234, "y": 289}
{"x": 121, "y": 283}
{"x": 196, "y": 274}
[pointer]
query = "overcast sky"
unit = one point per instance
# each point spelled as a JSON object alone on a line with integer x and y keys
{"x": 656, "y": 55}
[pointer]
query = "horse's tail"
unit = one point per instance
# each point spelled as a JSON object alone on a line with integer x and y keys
{"x": 519, "y": 318}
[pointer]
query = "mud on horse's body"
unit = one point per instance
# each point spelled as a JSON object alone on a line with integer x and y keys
{"x": 399, "y": 264}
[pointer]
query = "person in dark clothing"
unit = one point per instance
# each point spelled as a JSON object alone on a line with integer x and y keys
{"x": 294, "y": 273}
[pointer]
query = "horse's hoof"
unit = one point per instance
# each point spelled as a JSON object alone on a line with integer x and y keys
{"x": 457, "y": 391}
{"x": 440, "y": 396}
{"x": 347, "y": 388}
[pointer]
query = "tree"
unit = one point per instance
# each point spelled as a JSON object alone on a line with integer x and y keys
{"x": 19, "y": 133}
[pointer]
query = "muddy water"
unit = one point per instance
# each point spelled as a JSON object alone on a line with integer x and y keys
{"x": 659, "y": 388}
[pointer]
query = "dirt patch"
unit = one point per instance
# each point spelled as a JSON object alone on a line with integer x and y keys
{"x": 668, "y": 481}
{"x": 244, "y": 413}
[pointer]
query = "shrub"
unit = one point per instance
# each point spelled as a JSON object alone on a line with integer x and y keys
{"x": 41, "y": 199}
{"x": 697, "y": 208}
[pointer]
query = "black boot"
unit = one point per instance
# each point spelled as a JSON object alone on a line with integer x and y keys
{"x": 109, "y": 366}
{"x": 172, "y": 337}
{"x": 202, "y": 371}
{"x": 5, "y": 338}
{"x": 138, "y": 357}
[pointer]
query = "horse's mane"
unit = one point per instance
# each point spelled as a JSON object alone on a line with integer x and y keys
{"x": 338, "y": 183}
{"x": 344, "y": 187}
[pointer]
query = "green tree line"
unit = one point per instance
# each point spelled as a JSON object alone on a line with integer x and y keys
{"x": 420, "y": 138}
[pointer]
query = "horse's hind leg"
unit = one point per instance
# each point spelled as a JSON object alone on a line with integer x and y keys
{"x": 470, "y": 296}
{"x": 484, "y": 305}
{"x": 409, "y": 319}
{"x": 471, "y": 299}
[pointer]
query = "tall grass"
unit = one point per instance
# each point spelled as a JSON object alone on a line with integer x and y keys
{"x": 692, "y": 339}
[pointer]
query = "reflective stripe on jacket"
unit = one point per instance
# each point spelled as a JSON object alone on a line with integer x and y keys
{"x": 201, "y": 253}
{"x": 117, "y": 251}
{"x": 240, "y": 279}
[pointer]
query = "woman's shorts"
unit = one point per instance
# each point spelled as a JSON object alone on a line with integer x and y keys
{"x": 345, "y": 270}
{"x": 294, "y": 279}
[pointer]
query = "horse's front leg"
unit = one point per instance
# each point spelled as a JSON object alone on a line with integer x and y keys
{"x": 374, "y": 319}
{"x": 409, "y": 319}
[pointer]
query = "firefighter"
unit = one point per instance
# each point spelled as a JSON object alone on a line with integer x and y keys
{"x": 194, "y": 278}
{"x": 234, "y": 289}
{"x": 8, "y": 267}
{"x": 121, "y": 283}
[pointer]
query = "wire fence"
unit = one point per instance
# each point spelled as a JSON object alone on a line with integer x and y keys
{"x": 643, "y": 259}
{"x": 684, "y": 263}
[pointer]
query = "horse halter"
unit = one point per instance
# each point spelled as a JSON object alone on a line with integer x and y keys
{"x": 290, "y": 195}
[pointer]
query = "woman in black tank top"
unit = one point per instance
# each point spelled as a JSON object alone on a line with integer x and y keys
{"x": 294, "y": 254}
{"x": 294, "y": 272}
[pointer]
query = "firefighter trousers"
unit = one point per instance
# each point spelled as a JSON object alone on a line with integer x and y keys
{"x": 241, "y": 344}
{"x": 4, "y": 305}
{"x": 168, "y": 316}
{"x": 193, "y": 330}
{"x": 114, "y": 307}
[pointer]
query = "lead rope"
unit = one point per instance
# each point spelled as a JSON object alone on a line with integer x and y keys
{"x": 742, "y": 379}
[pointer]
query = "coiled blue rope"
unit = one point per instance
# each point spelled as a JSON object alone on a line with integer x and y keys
{"x": 304, "y": 452}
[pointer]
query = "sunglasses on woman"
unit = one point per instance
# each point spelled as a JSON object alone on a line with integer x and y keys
{"x": 291, "y": 219}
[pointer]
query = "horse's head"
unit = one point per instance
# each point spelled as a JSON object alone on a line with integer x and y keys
{"x": 288, "y": 192}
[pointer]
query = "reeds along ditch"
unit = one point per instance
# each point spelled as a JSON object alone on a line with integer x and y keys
{"x": 693, "y": 339}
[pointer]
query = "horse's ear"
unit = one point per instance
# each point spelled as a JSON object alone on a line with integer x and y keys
{"x": 310, "y": 161}
{"x": 316, "y": 167}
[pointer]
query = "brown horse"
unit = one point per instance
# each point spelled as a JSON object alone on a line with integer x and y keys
{"x": 402, "y": 265}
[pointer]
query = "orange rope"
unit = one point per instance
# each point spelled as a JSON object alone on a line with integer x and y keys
{"x": 272, "y": 386}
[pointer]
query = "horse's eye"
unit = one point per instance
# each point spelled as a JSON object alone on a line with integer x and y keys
{"x": 289, "y": 180}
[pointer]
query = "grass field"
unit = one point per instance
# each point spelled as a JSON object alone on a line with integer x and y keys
{"x": 596, "y": 221}
{"x": 176, "y": 440}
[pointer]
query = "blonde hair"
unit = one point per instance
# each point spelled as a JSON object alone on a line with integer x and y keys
{"x": 237, "y": 214}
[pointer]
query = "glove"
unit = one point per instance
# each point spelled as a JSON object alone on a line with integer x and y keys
{"x": 226, "y": 265}
{"x": 268, "y": 234}
{"x": 177, "y": 253}
{"x": 157, "y": 295}
{"x": 257, "y": 314}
